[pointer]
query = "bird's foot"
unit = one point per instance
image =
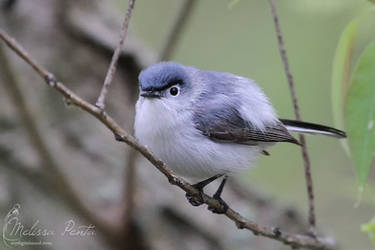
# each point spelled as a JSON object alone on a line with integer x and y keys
{"x": 197, "y": 200}
{"x": 222, "y": 209}
{"x": 219, "y": 210}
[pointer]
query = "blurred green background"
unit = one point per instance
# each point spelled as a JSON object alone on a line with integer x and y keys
{"x": 242, "y": 40}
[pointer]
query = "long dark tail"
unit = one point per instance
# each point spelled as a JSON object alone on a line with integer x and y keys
{"x": 311, "y": 128}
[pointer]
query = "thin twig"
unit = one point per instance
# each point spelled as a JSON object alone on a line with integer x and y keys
{"x": 305, "y": 155}
{"x": 179, "y": 24}
{"x": 51, "y": 170}
{"x": 100, "y": 103}
{"x": 303, "y": 241}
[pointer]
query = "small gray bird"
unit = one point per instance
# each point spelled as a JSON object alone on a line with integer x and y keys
{"x": 206, "y": 124}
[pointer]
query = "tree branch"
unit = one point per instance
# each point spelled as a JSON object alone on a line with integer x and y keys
{"x": 305, "y": 155}
{"x": 51, "y": 171}
{"x": 303, "y": 241}
{"x": 100, "y": 103}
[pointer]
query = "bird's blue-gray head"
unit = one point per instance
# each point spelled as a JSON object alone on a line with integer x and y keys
{"x": 165, "y": 79}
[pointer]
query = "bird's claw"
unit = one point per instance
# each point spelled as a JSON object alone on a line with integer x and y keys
{"x": 195, "y": 200}
{"x": 223, "y": 206}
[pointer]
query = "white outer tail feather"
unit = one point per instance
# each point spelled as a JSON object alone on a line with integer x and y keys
{"x": 310, "y": 131}
{"x": 311, "y": 128}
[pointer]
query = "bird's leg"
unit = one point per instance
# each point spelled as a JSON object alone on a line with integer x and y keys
{"x": 197, "y": 200}
{"x": 217, "y": 196}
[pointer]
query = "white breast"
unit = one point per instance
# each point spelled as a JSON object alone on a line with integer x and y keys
{"x": 174, "y": 139}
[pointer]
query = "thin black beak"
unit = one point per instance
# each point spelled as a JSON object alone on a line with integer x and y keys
{"x": 150, "y": 93}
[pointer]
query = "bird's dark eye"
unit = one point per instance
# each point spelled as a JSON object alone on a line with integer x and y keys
{"x": 173, "y": 91}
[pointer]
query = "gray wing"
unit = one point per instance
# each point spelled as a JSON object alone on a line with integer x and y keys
{"x": 225, "y": 124}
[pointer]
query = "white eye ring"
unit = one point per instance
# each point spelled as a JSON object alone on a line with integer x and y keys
{"x": 174, "y": 91}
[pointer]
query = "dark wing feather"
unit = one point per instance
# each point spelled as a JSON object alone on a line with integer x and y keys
{"x": 225, "y": 124}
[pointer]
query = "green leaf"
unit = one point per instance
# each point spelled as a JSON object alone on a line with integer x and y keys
{"x": 341, "y": 73}
{"x": 359, "y": 113}
{"x": 355, "y": 37}
{"x": 369, "y": 228}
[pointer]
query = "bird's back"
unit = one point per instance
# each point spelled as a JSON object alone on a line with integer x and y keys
{"x": 233, "y": 96}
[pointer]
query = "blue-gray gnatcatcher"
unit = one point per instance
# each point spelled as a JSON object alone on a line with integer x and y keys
{"x": 208, "y": 124}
